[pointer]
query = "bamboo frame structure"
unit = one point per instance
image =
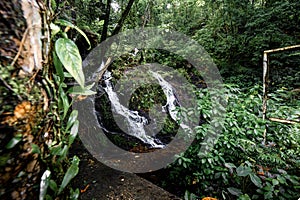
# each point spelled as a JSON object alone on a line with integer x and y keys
{"x": 266, "y": 83}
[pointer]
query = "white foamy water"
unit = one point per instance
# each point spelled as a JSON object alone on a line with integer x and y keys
{"x": 136, "y": 123}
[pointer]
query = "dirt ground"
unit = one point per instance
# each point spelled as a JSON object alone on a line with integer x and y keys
{"x": 97, "y": 181}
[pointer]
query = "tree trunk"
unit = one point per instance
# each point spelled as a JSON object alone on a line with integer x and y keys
{"x": 24, "y": 47}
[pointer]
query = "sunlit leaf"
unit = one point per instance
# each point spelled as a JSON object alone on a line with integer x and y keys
{"x": 234, "y": 191}
{"x": 230, "y": 165}
{"x": 72, "y": 119}
{"x": 54, "y": 29}
{"x": 74, "y": 131}
{"x": 81, "y": 91}
{"x": 69, "y": 56}
{"x": 44, "y": 184}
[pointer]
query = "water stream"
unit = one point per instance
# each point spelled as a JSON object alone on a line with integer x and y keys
{"x": 135, "y": 123}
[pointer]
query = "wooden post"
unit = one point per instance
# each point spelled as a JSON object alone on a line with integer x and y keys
{"x": 265, "y": 89}
{"x": 265, "y": 85}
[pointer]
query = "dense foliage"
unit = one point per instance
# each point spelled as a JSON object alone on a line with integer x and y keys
{"x": 235, "y": 33}
{"x": 252, "y": 159}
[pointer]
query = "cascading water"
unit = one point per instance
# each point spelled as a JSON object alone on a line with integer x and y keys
{"x": 136, "y": 124}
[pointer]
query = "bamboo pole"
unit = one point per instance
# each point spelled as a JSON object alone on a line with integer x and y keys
{"x": 282, "y": 49}
{"x": 283, "y": 121}
{"x": 265, "y": 86}
{"x": 265, "y": 93}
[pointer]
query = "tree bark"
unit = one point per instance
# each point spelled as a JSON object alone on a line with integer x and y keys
{"x": 123, "y": 17}
{"x": 24, "y": 49}
{"x": 106, "y": 21}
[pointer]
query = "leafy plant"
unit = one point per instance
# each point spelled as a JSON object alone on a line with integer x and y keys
{"x": 240, "y": 165}
{"x": 68, "y": 63}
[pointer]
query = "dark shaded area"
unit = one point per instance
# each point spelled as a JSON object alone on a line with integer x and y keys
{"x": 97, "y": 181}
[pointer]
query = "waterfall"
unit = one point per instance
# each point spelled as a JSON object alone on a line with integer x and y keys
{"x": 136, "y": 123}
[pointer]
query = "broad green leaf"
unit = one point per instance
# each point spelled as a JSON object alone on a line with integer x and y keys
{"x": 275, "y": 182}
{"x": 72, "y": 119}
{"x": 230, "y": 165}
{"x": 14, "y": 141}
{"x": 66, "y": 23}
{"x": 44, "y": 184}
{"x": 244, "y": 197}
{"x": 71, "y": 173}
{"x": 256, "y": 180}
{"x": 55, "y": 150}
{"x": 81, "y": 91}
{"x": 53, "y": 185}
{"x": 69, "y": 56}
{"x": 281, "y": 180}
{"x": 243, "y": 170}
{"x": 234, "y": 191}
{"x": 73, "y": 133}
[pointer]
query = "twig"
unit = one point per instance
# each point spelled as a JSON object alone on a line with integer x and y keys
{"x": 10, "y": 88}
{"x": 108, "y": 62}
{"x": 20, "y": 48}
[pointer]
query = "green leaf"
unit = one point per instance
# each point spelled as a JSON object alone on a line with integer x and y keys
{"x": 234, "y": 191}
{"x": 44, "y": 184}
{"x": 275, "y": 182}
{"x": 281, "y": 180}
{"x": 256, "y": 180}
{"x": 48, "y": 197}
{"x": 74, "y": 194}
{"x": 58, "y": 67}
{"x": 63, "y": 153}
{"x": 72, "y": 119}
{"x": 53, "y": 5}
{"x": 14, "y": 141}
{"x": 53, "y": 185}
{"x": 66, "y": 23}
{"x": 243, "y": 170}
{"x": 3, "y": 159}
{"x": 56, "y": 150}
{"x": 69, "y": 56}
{"x": 73, "y": 133}
{"x": 54, "y": 29}
{"x": 35, "y": 149}
{"x": 244, "y": 197}
{"x": 77, "y": 90}
{"x": 71, "y": 173}
{"x": 65, "y": 101}
{"x": 230, "y": 165}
